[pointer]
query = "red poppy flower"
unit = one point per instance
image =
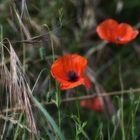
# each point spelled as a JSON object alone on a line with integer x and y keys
{"x": 69, "y": 71}
{"x": 114, "y": 32}
{"x": 94, "y": 104}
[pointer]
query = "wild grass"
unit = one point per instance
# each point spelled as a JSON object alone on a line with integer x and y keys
{"x": 32, "y": 106}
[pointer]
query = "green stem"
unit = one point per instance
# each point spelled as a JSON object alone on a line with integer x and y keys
{"x": 122, "y": 101}
{"x": 77, "y": 106}
{"x": 78, "y": 110}
{"x": 58, "y": 103}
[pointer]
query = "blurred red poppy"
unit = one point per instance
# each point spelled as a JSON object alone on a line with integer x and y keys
{"x": 69, "y": 71}
{"x": 114, "y": 32}
{"x": 94, "y": 104}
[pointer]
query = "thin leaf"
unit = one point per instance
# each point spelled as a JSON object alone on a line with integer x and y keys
{"x": 49, "y": 118}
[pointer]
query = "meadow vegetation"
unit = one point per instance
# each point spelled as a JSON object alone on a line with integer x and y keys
{"x": 42, "y": 40}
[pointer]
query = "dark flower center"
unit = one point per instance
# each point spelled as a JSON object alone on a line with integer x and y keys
{"x": 73, "y": 77}
{"x": 118, "y": 38}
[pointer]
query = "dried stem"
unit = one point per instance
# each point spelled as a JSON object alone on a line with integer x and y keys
{"x": 72, "y": 99}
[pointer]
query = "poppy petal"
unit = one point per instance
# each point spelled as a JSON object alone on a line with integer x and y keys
{"x": 106, "y": 29}
{"x": 74, "y": 62}
{"x": 67, "y": 85}
{"x": 87, "y": 82}
{"x": 57, "y": 71}
{"x": 125, "y": 33}
{"x": 94, "y": 104}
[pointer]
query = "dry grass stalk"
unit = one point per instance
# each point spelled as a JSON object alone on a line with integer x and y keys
{"x": 14, "y": 121}
{"x": 17, "y": 85}
{"x": 72, "y": 99}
